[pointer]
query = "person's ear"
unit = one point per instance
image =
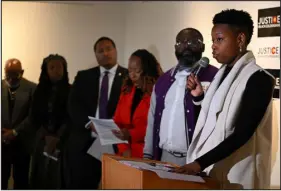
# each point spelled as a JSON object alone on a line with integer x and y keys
{"x": 203, "y": 47}
{"x": 241, "y": 40}
{"x": 22, "y": 73}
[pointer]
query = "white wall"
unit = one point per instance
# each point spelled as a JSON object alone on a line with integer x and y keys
{"x": 155, "y": 25}
{"x": 31, "y": 31}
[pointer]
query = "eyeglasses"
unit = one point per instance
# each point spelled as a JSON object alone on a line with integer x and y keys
{"x": 191, "y": 43}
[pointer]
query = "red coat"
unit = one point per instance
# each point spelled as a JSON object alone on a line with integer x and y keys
{"x": 137, "y": 127}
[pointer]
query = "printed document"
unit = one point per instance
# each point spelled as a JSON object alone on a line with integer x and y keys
{"x": 162, "y": 171}
{"x": 104, "y": 129}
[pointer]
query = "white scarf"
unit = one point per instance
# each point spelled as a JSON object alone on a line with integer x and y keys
{"x": 215, "y": 97}
{"x": 217, "y": 119}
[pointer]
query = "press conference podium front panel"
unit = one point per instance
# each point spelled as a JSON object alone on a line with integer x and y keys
{"x": 116, "y": 175}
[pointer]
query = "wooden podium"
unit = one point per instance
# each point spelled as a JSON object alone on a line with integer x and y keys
{"x": 116, "y": 175}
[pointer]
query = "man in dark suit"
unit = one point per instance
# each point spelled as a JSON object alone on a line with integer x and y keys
{"x": 17, "y": 94}
{"x": 95, "y": 92}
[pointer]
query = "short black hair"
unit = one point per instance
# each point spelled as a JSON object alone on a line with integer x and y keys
{"x": 102, "y": 39}
{"x": 241, "y": 20}
{"x": 191, "y": 29}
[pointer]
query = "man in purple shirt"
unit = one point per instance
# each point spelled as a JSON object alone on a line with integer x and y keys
{"x": 173, "y": 112}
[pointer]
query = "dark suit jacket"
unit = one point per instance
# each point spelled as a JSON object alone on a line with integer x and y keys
{"x": 83, "y": 101}
{"x": 20, "y": 120}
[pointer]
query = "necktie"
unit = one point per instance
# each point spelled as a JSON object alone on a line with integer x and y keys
{"x": 103, "y": 97}
{"x": 103, "y": 102}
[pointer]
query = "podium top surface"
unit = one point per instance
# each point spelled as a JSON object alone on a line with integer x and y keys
{"x": 133, "y": 178}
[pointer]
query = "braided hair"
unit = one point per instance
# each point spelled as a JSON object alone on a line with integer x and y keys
{"x": 43, "y": 92}
{"x": 151, "y": 71}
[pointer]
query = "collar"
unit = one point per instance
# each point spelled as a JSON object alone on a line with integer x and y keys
{"x": 182, "y": 70}
{"x": 111, "y": 71}
{"x": 182, "y": 73}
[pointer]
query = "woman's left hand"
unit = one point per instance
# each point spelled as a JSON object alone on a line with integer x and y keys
{"x": 123, "y": 134}
{"x": 191, "y": 168}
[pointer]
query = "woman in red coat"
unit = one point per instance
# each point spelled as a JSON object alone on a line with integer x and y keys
{"x": 132, "y": 109}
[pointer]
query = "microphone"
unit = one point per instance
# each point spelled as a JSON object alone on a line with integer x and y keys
{"x": 203, "y": 63}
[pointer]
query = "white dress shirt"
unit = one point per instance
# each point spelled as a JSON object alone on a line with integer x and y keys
{"x": 172, "y": 126}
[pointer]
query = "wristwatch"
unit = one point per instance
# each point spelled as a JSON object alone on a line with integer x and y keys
{"x": 14, "y": 132}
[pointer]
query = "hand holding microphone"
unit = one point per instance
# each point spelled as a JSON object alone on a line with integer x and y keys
{"x": 193, "y": 84}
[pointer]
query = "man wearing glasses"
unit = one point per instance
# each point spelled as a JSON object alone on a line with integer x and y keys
{"x": 173, "y": 112}
{"x": 17, "y": 94}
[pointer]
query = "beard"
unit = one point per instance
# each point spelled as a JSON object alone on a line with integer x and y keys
{"x": 13, "y": 85}
{"x": 188, "y": 60}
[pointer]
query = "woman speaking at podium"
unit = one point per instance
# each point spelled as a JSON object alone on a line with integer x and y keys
{"x": 132, "y": 109}
{"x": 232, "y": 137}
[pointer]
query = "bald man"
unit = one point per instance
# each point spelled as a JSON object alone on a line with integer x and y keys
{"x": 17, "y": 135}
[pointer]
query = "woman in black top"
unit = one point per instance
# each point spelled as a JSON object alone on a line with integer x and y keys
{"x": 237, "y": 144}
{"x": 49, "y": 115}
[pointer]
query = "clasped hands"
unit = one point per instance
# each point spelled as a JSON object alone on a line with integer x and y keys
{"x": 7, "y": 135}
{"x": 51, "y": 144}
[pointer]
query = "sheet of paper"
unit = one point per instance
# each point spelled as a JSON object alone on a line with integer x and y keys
{"x": 162, "y": 171}
{"x": 96, "y": 150}
{"x": 135, "y": 164}
{"x": 50, "y": 156}
{"x": 147, "y": 166}
{"x": 104, "y": 129}
{"x": 177, "y": 176}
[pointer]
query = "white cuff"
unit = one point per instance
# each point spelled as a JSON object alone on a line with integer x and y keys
{"x": 93, "y": 134}
{"x": 88, "y": 124}
{"x": 197, "y": 103}
{"x": 15, "y": 133}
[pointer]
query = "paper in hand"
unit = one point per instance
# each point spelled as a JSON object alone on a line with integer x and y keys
{"x": 104, "y": 129}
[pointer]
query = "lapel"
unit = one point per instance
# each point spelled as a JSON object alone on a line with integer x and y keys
{"x": 94, "y": 91}
{"x": 22, "y": 97}
{"x": 217, "y": 96}
{"x": 115, "y": 91}
{"x": 4, "y": 103}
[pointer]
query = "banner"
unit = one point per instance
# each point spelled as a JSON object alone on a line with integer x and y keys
{"x": 269, "y": 22}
